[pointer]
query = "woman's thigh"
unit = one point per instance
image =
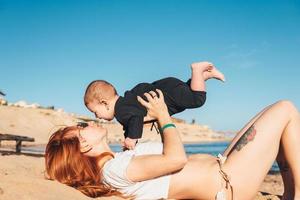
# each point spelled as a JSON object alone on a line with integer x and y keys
{"x": 253, "y": 154}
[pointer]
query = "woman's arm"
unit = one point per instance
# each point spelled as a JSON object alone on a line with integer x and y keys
{"x": 172, "y": 159}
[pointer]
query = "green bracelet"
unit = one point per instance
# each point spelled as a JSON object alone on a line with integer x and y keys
{"x": 166, "y": 126}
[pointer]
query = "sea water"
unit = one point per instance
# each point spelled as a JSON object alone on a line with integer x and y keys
{"x": 213, "y": 148}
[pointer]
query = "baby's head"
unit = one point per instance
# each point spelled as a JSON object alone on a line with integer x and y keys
{"x": 100, "y": 98}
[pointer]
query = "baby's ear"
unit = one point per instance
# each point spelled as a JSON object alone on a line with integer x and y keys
{"x": 103, "y": 102}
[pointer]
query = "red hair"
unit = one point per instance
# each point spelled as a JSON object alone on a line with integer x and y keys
{"x": 66, "y": 164}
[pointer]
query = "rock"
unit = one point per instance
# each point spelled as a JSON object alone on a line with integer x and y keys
{"x": 34, "y": 105}
{"x": 24, "y": 104}
{"x": 20, "y": 104}
{"x": 50, "y": 107}
{"x": 60, "y": 110}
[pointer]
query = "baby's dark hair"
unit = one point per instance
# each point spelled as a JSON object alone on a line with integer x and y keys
{"x": 99, "y": 90}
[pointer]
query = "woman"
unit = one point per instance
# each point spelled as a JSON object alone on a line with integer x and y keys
{"x": 81, "y": 158}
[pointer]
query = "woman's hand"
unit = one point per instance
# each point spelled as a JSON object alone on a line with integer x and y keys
{"x": 173, "y": 157}
{"x": 156, "y": 106}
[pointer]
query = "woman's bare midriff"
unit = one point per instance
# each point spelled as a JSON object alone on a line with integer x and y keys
{"x": 199, "y": 179}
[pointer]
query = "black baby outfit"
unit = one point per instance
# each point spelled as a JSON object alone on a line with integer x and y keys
{"x": 178, "y": 96}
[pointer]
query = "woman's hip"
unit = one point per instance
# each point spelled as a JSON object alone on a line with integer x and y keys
{"x": 199, "y": 179}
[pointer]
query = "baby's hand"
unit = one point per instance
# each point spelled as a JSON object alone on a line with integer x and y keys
{"x": 129, "y": 143}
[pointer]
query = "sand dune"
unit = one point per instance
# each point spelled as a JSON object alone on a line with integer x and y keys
{"x": 40, "y": 123}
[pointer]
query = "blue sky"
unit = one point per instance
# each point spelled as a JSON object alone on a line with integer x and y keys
{"x": 50, "y": 50}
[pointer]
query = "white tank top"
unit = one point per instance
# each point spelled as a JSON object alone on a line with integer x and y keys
{"x": 114, "y": 174}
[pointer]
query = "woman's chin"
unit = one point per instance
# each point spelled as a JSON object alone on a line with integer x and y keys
{"x": 93, "y": 153}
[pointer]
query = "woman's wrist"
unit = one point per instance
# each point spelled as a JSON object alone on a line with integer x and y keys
{"x": 164, "y": 119}
{"x": 166, "y": 126}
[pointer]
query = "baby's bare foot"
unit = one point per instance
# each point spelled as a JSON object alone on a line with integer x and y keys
{"x": 214, "y": 73}
{"x": 201, "y": 66}
{"x": 208, "y": 70}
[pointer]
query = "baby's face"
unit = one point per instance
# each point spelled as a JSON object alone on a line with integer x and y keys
{"x": 101, "y": 111}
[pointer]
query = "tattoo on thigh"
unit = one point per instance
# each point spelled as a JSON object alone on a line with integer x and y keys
{"x": 246, "y": 137}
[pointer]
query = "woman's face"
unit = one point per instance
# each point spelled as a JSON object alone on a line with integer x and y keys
{"x": 94, "y": 135}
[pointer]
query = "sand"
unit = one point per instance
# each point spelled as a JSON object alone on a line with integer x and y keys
{"x": 22, "y": 177}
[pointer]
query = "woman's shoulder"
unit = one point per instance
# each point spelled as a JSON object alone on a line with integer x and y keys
{"x": 148, "y": 148}
{"x": 114, "y": 170}
{"x": 141, "y": 149}
{"x": 122, "y": 159}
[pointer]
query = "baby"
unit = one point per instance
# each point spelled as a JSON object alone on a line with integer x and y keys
{"x": 102, "y": 99}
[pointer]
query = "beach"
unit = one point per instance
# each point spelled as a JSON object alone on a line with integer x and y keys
{"x": 223, "y": 66}
{"x": 23, "y": 177}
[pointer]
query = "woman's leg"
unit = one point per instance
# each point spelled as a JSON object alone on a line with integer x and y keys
{"x": 286, "y": 174}
{"x": 290, "y": 143}
{"x": 281, "y": 159}
{"x": 242, "y": 131}
{"x": 252, "y": 155}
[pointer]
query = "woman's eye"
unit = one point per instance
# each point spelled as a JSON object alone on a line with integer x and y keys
{"x": 82, "y": 124}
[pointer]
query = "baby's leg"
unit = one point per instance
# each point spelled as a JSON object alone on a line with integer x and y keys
{"x": 253, "y": 154}
{"x": 197, "y": 78}
{"x": 201, "y": 72}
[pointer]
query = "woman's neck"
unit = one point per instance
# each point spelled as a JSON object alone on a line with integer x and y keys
{"x": 103, "y": 158}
